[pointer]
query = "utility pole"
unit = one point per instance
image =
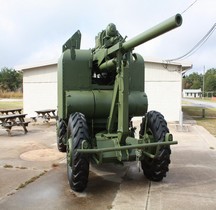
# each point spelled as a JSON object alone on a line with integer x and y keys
{"x": 203, "y": 95}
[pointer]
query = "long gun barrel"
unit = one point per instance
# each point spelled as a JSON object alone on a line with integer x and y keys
{"x": 163, "y": 27}
{"x": 153, "y": 32}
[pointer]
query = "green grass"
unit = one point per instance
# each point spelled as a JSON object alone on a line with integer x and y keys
{"x": 209, "y": 122}
{"x": 194, "y": 111}
{"x": 17, "y": 94}
{"x": 11, "y": 105}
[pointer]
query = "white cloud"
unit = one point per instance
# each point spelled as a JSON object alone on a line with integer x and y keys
{"x": 32, "y": 30}
{"x": 7, "y": 26}
{"x": 48, "y": 52}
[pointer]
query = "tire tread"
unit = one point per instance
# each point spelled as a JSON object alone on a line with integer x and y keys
{"x": 156, "y": 169}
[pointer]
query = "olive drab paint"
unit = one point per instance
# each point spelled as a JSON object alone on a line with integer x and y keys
{"x": 103, "y": 89}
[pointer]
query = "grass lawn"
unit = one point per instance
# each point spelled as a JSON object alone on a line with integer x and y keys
{"x": 194, "y": 111}
{"x": 11, "y": 105}
{"x": 209, "y": 122}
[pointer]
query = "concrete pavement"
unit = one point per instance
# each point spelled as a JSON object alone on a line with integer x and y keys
{"x": 190, "y": 183}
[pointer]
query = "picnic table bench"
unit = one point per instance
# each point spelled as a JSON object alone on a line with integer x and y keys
{"x": 12, "y": 111}
{"x": 8, "y": 121}
{"x": 46, "y": 114}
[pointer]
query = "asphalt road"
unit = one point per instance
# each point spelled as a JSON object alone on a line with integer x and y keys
{"x": 190, "y": 183}
{"x": 199, "y": 103}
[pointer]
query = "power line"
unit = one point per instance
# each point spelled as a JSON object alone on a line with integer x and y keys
{"x": 189, "y": 7}
{"x": 197, "y": 46}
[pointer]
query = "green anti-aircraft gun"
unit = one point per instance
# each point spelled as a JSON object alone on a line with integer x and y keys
{"x": 100, "y": 90}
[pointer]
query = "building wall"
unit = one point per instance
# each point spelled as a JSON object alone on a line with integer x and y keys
{"x": 192, "y": 93}
{"x": 40, "y": 89}
{"x": 163, "y": 88}
{"x": 162, "y": 85}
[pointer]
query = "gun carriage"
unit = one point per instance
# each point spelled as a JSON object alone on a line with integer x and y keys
{"x": 100, "y": 90}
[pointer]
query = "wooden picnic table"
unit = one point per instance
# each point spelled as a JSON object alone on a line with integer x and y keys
{"x": 12, "y": 111}
{"x": 46, "y": 114}
{"x": 8, "y": 121}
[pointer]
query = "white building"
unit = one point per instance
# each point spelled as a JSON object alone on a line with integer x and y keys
{"x": 163, "y": 85}
{"x": 39, "y": 87}
{"x": 192, "y": 93}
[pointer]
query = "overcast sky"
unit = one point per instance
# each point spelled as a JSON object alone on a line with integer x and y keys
{"x": 33, "y": 31}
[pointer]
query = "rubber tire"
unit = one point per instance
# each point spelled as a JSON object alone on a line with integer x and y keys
{"x": 61, "y": 134}
{"x": 156, "y": 169}
{"x": 78, "y": 170}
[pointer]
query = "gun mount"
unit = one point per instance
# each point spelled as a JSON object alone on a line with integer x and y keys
{"x": 99, "y": 91}
{"x": 115, "y": 42}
